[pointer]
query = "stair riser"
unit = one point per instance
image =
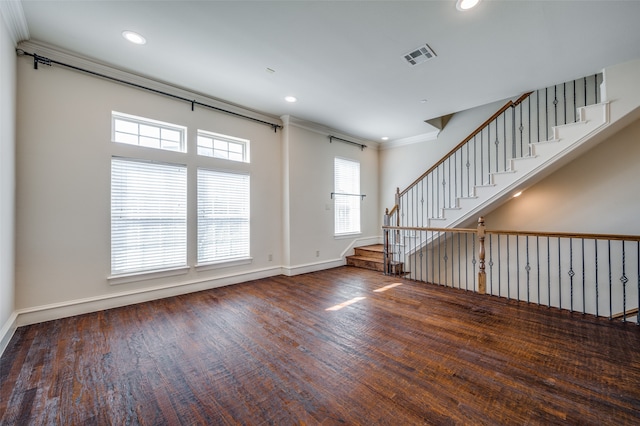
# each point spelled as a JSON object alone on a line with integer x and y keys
{"x": 366, "y": 264}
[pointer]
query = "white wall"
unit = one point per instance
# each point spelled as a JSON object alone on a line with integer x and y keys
{"x": 63, "y": 192}
{"x": 596, "y": 193}
{"x": 311, "y": 214}
{"x": 7, "y": 182}
{"x": 401, "y": 165}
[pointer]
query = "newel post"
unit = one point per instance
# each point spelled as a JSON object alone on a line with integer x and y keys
{"x": 482, "y": 276}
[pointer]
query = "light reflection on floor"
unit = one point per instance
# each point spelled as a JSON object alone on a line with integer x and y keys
{"x": 359, "y": 298}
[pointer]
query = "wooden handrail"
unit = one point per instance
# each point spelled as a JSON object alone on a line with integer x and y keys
{"x": 508, "y": 105}
{"x": 615, "y": 237}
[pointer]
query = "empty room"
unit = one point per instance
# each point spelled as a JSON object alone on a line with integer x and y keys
{"x": 319, "y": 212}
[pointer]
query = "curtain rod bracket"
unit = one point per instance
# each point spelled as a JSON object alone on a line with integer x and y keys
{"x": 39, "y": 60}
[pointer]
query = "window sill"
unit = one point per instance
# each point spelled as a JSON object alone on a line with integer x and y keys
{"x": 345, "y": 236}
{"x": 224, "y": 264}
{"x": 141, "y": 276}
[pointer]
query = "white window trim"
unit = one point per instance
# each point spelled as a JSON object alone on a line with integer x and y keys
{"x": 147, "y": 275}
{"x": 115, "y": 115}
{"x": 246, "y": 157}
{"x": 224, "y": 264}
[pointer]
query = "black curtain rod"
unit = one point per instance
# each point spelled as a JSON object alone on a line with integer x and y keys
{"x": 362, "y": 146}
{"x": 37, "y": 59}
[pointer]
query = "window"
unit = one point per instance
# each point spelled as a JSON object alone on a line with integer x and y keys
{"x": 346, "y": 196}
{"x": 148, "y": 216}
{"x": 134, "y": 130}
{"x": 221, "y": 146}
{"x": 223, "y": 216}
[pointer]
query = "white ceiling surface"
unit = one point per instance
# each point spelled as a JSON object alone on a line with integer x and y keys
{"x": 343, "y": 59}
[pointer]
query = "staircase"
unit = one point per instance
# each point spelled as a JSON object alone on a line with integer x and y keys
{"x": 368, "y": 257}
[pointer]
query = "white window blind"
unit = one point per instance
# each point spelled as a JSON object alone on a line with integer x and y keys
{"x": 347, "y": 197}
{"x": 223, "y": 216}
{"x": 148, "y": 216}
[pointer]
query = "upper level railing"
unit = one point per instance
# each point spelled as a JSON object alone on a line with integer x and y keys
{"x": 596, "y": 274}
{"x": 506, "y": 135}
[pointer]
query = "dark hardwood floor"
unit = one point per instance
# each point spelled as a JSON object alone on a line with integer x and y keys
{"x": 270, "y": 352}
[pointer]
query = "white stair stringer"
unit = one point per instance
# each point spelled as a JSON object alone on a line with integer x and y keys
{"x": 545, "y": 158}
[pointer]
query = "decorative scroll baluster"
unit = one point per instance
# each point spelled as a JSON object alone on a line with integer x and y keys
{"x": 482, "y": 276}
{"x": 624, "y": 281}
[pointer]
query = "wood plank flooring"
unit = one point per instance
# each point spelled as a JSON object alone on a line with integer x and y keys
{"x": 270, "y": 352}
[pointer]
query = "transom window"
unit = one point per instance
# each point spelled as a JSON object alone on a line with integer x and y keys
{"x": 149, "y": 133}
{"x": 222, "y": 146}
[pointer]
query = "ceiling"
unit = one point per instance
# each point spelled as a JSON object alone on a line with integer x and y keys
{"x": 343, "y": 60}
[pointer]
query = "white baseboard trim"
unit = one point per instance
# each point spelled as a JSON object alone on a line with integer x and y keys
{"x": 312, "y": 267}
{"x": 93, "y": 304}
{"x": 37, "y": 314}
{"x": 7, "y": 331}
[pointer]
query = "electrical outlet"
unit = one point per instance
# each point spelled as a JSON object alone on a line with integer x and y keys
{"x": 317, "y": 253}
{"x": 270, "y": 258}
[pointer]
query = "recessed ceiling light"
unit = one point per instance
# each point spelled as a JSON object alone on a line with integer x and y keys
{"x": 291, "y": 99}
{"x": 385, "y": 138}
{"x": 463, "y": 5}
{"x": 134, "y": 37}
{"x": 517, "y": 194}
{"x": 423, "y": 101}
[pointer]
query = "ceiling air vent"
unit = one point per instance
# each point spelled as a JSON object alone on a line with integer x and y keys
{"x": 420, "y": 55}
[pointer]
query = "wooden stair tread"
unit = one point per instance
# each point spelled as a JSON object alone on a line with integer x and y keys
{"x": 366, "y": 258}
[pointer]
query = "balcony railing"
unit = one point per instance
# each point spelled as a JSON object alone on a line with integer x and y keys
{"x": 594, "y": 274}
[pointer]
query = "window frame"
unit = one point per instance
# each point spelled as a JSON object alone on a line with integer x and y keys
{"x": 142, "y": 121}
{"x": 243, "y": 143}
{"x": 353, "y": 195}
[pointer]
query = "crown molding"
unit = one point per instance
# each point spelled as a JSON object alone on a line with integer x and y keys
{"x": 289, "y": 120}
{"x": 13, "y": 15}
{"x": 425, "y": 137}
{"x": 74, "y": 60}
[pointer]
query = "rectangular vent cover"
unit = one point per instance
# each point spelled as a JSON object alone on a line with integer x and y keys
{"x": 419, "y": 55}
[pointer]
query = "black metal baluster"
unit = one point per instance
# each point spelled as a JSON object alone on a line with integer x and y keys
{"x": 571, "y": 272}
{"x": 475, "y": 165}
{"x": 596, "y": 264}
{"x": 508, "y": 270}
{"x": 518, "y": 265}
{"x": 555, "y": 105}
{"x": 610, "y": 305}
{"x": 466, "y": 261}
{"x": 538, "y": 263}
{"x": 584, "y": 300}
{"x": 497, "y": 144}
{"x": 499, "y": 268}
{"x": 527, "y": 268}
{"x": 514, "y": 151}
{"x": 489, "y": 150}
{"x": 504, "y": 138}
{"x": 575, "y": 103}
{"x": 564, "y": 101}
{"x": 491, "y": 264}
{"x": 438, "y": 191}
{"x": 521, "y": 128}
{"x": 585, "y": 91}
{"x": 459, "y": 260}
{"x": 638, "y": 268}
{"x": 559, "y": 275}
{"x": 624, "y": 281}
{"x": 468, "y": 164}
{"x": 546, "y": 113}
{"x": 481, "y": 159}
{"x": 549, "y": 272}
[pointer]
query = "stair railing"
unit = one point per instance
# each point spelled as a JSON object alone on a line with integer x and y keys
{"x": 592, "y": 274}
{"x": 489, "y": 149}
